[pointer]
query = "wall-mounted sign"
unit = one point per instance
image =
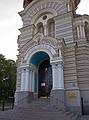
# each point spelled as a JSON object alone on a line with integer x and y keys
{"x": 72, "y": 94}
{"x": 43, "y": 84}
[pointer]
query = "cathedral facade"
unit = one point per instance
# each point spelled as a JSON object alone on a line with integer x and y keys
{"x": 53, "y": 59}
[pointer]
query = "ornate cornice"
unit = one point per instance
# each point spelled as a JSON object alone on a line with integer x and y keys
{"x": 81, "y": 18}
{"x": 27, "y": 28}
{"x": 35, "y": 3}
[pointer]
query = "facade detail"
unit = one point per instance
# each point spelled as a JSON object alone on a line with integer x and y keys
{"x": 53, "y": 59}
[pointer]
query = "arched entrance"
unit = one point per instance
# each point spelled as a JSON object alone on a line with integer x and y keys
{"x": 45, "y": 78}
{"x": 43, "y": 74}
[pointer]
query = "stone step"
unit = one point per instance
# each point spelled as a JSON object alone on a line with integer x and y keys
{"x": 84, "y": 117}
{"x": 37, "y": 110}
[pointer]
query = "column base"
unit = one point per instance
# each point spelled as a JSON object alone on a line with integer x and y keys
{"x": 57, "y": 98}
{"x": 23, "y": 97}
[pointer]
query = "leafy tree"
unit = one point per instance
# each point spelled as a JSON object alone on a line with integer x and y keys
{"x": 7, "y": 76}
{"x": 2, "y": 68}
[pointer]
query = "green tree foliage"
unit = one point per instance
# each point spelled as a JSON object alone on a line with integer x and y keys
{"x": 7, "y": 76}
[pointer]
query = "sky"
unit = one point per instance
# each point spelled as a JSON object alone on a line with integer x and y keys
{"x": 10, "y": 22}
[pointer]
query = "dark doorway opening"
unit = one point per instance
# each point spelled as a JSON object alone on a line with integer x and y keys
{"x": 82, "y": 106}
{"x": 44, "y": 79}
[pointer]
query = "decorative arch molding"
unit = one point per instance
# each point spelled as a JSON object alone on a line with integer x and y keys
{"x": 39, "y": 42}
{"x": 44, "y": 48}
{"x": 34, "y": 2}
{"x": 56, "y": 7}
{"x": 42, "y": 12}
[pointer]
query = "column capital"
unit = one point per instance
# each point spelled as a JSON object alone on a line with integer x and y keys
{"x": 27, "y": 67}
{"x": 57, "y": 63}
{"x": 24, "y": 66}
{"x": 32, "y": 67}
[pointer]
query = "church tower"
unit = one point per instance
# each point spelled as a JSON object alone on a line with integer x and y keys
{"x": 53, "y": 59}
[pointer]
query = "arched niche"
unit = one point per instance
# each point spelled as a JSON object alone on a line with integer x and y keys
{"x": 40, "y": 28}
{"x": 51, "y": 28}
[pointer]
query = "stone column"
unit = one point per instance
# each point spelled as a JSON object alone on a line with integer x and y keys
{"x": 22, "y": 79}
{"x": 25, "y": 95}
{"x": 45, "y": 30}
{"x": 32, "y": 81}
{"x": 31, "y": 84}
{"x": 68, "y": 7}
{"x": 57, "y": 93}
{"x": 25, "y": 79}
{"x": 58, "y": 80}
{"x": 45, "y": 27}
{"x": 27, "y": 73}
{"x": 82, "y": 31}
{"x": 78, "y": 31}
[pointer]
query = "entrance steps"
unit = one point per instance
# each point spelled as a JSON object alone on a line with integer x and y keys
{"x": 39, "y": 109}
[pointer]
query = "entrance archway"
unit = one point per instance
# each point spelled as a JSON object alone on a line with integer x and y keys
{"x": 43, "y": 74}
{"x": 45, "y": 78}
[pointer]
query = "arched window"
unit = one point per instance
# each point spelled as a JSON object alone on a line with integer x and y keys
{"x": 86, "y": 31}
{"x": 40, "y": 28}
{"x": 51, "y": 28}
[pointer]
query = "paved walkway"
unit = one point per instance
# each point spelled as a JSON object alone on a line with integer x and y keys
{"x": 39, "y": 110}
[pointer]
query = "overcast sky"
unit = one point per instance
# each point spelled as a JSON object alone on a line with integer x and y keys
{"x": 10, "y": 22}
